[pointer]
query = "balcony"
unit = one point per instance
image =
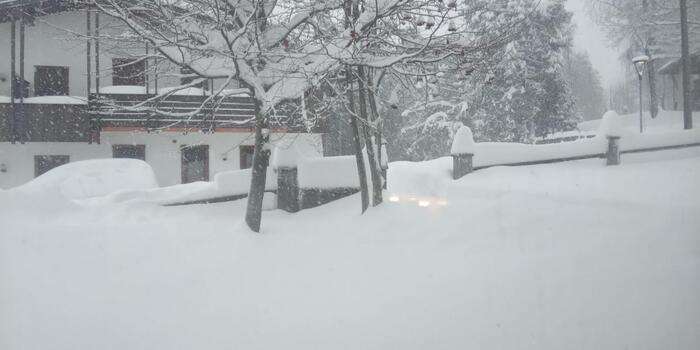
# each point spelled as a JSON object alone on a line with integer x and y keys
{"x": 77, "y": 119}
{"x": 123, "y": 106}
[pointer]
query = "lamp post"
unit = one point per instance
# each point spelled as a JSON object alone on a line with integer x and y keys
{"x": 640, "y": 63}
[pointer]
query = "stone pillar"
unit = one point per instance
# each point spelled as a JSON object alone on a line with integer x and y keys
{"x": 613, "y": 154}
{"x": 287, "y": 189}
{"x": 461, "y": 165}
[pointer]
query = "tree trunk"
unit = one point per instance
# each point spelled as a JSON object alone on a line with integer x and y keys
{"x": 685, "y": 67}
{"x": 351, "y": 10}
{"x": 653, "y": 96}
{"x": 261, "y": 157}
{"x": 374, "y": 114}
{"x": 359, "y": 158}
{"x": 369, "y": 144}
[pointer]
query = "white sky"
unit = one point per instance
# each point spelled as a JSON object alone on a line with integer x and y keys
{"x": 590, "y": 39}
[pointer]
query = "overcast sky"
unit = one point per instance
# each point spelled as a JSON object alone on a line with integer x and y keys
{"x": 590, "y": 39}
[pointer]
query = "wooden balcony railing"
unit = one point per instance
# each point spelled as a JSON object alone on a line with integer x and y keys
{"x": 173, "y": 111}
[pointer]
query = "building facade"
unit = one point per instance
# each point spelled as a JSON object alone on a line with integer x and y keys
{"x": 67, "y": 94}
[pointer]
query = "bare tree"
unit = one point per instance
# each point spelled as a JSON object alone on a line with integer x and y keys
{"x": 280, "y": 49}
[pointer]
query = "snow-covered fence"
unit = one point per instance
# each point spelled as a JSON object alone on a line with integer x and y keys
{"x": 227, "y": 186}
{"x": 299, "y": 183}
{"x": 322, "y": 180}
{"x": 610, "y": 143}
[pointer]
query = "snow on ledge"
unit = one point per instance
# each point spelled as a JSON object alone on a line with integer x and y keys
{"x": 285, "y": 157}
{"x": 463, "y": 142}
{"x": 610, "y": 125}
{"x": 49, "y": 100}
{"x": 328, "y": 172}
{"x": 123, "y": 90}
{"x": 504, "y": 153}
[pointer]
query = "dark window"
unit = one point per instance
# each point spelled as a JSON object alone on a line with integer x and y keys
{"x": 43, "y": 164}
{"x": 50, "y": 81}
{"x": 195, "y": 163}
{"x": 247, "y": 156}
{"x": 189, "y": 76}
{"x": 21, "y": 88}
{"x": 128, "y": 71}
{"x": 129, "y": 151}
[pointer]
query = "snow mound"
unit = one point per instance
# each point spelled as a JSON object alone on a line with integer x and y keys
{"x": 463, "y": 142}
{"x": 93, "y": 178}
{"x": 610, "y": 125}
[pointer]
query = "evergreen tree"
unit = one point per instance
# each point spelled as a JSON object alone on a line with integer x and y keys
{"x": 584, "y": 81}
{"x": 523, "y": 94}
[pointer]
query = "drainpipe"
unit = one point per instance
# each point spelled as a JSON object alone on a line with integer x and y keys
{"x": 13, "y": 39}
{"x": 22, "y": 132}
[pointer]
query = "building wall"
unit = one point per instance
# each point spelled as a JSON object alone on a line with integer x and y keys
{"x": 56, "y": 40}
{"x": 671, "y": 91}
{"x": 162, "y": 152}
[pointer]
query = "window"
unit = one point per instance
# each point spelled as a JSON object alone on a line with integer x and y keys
{"x": 128, "y": 71}
{"x": 129, "y": 151}
{"x": 247, "y": 156}
{"x": 195, "y": 163}
{"x": 189, "y": 76}
{"x": 45, "y": 163}
{"x": 50, "y": 81}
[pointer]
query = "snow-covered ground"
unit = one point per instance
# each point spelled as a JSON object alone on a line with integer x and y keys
{"x": 565, "y": 256}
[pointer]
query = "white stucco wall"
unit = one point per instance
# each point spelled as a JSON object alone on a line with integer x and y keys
{"x": 55, "y": 40}
{"x": 162, "y": 152}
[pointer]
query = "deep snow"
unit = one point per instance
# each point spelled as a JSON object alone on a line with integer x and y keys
{"x": 565, "y": 256}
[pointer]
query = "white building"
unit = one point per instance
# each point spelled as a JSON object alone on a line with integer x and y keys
{"x": 62, "y": 80}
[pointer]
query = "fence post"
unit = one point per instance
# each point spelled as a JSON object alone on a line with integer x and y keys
{"x": 461, "y": 165}
{"x": 613, "y": 154}
{"x": 462, "y": 151}
{"x": 287, "y": 189}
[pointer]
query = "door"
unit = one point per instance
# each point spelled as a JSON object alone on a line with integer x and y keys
{"x": 246, "y": 156}
{"x": 195, "y": 163}
{"x": 50, "y": 81}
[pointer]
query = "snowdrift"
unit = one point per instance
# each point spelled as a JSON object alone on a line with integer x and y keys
{"x": 558, "y": 256}
{"x": 92, "y": 178}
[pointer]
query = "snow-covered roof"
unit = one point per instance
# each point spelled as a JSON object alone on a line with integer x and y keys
{"x": 674, "y": 66}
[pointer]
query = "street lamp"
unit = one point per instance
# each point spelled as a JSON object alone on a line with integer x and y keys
{"x": 640, "y": 63}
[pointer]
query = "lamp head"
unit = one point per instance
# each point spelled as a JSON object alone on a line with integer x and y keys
{"x": 640, "y": 63}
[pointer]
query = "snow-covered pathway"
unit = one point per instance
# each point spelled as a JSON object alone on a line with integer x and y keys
{"x": 572, "y": 255}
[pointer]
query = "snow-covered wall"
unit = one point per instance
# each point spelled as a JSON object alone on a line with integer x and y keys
{"x": 162, "y": 152}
